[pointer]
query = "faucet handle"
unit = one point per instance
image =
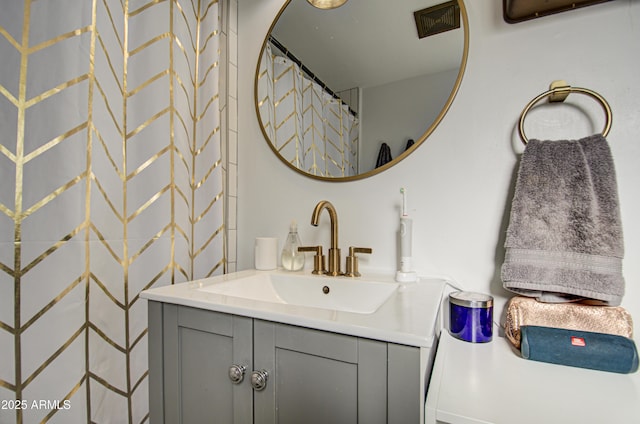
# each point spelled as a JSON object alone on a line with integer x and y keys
{"x": 352, "y": 260}
{"x": 318, "y": 258}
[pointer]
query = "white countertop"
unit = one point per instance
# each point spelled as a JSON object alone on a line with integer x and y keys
{"x": 491, "y": 383}
{"x": 410, "y": 316}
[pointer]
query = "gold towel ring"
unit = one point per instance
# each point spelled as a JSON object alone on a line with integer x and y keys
{"x": 559, "y": 91}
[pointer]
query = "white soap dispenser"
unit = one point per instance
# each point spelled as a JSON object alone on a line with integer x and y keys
{"x": 292, "y": 260}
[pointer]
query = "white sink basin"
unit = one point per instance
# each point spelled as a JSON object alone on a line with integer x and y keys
{"x": 342, "y": 294}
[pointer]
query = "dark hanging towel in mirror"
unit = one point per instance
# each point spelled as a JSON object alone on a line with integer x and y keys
{"x": 410, "y": 143}
{"x": 384, "y": 155}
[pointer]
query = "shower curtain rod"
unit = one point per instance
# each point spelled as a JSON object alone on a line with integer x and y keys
{"x": 307, "y": 71}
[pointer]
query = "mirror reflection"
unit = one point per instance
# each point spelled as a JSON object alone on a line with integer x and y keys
{"x": 345, "y": 93}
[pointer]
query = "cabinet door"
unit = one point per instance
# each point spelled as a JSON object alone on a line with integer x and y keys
{"x": 405, "y": 397}
{"x": 315, "y": 377}
{"x": 199, "y": 348}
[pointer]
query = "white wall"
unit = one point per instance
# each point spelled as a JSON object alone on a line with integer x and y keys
{"x": 396, "y": 112}
{"x": 460, "y": 181}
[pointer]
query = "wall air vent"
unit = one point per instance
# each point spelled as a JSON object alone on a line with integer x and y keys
{"x": 436, "y": 19}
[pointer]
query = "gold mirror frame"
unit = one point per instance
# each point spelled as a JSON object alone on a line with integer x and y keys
{"x": 408, "y": 151}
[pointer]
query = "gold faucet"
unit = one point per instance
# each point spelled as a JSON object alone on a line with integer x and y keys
{"x": 334, "y": 250}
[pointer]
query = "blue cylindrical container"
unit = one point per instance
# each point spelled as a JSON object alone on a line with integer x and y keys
{"x": 471, "y": 316}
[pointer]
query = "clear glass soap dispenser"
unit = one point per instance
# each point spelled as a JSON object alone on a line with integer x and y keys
{"x": 292, "y": 260}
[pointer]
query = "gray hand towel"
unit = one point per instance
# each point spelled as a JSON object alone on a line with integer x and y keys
{"x": 564, "y": 240}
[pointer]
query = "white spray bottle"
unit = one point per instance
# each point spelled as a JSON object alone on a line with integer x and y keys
{"x": 405, "y": 274}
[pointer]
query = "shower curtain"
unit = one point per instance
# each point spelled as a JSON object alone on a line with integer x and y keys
{"x": 111, "y": 183}
{"x": 310, "y": 128}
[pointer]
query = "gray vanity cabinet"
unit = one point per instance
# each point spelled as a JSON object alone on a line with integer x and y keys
{"x": 318, "y": 377}
{"x": 299, "y": 375}
{"x": 190, "y": 353}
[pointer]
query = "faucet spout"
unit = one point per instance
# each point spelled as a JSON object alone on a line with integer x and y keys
{"x": 334, "y": 250}
{"x": 333, "y": 216}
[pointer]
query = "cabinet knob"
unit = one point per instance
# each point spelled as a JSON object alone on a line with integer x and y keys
{"x": 259, "y": 379}
{"x": 236, "y": 373}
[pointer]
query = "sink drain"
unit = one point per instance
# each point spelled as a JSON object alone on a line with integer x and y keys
{"x": 326, "y": 290}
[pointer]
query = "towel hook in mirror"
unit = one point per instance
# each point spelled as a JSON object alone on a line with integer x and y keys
{"x": 558, "y": 92}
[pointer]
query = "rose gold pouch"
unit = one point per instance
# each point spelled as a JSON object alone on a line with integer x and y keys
{"x": 523, "y": 310}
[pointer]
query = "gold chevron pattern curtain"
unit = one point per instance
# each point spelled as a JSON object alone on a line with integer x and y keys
{"x": 111, "y": 182}
{"x": 311, "y": 129}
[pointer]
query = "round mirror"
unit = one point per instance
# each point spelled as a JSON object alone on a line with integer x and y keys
{"x": 346, "y": 93}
